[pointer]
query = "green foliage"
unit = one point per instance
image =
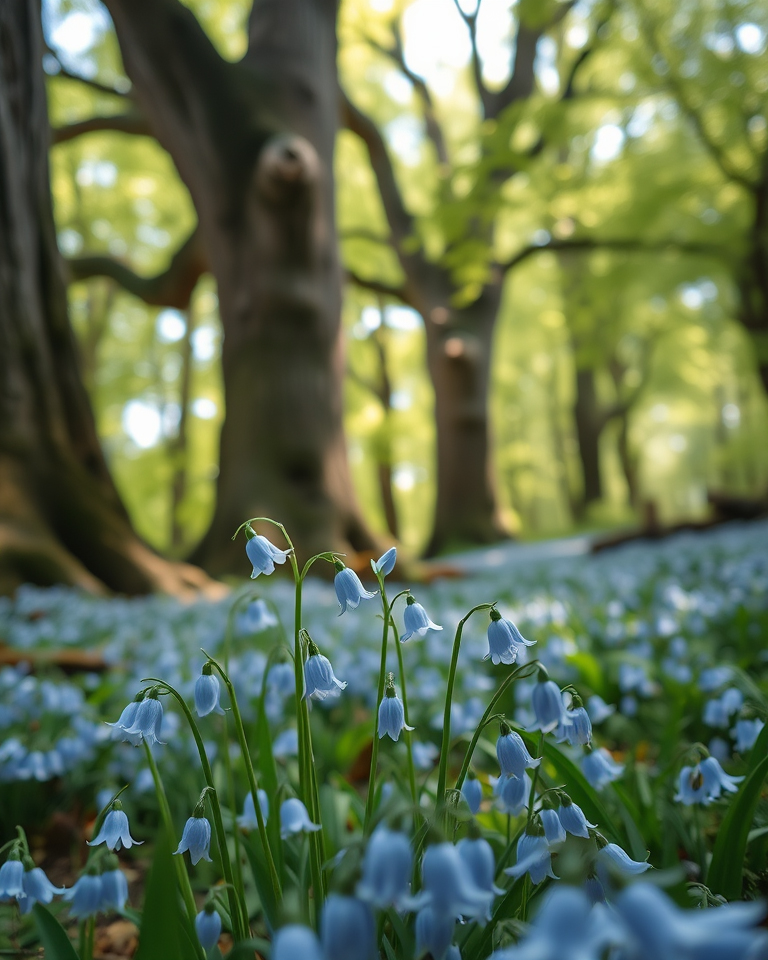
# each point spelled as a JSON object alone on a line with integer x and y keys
{"x": 53, "y": 936}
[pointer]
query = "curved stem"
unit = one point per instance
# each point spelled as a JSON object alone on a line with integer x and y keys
{"x": 241, "y": 739}
{"x": 518, "y": 674}
{"x": 443, "y": 769}
{"x": 379, "y": 697}
{"x": 181, "y": 871}
{"x": 236, "y": 906}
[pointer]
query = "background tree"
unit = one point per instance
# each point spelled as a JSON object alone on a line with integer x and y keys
{"x": 61, "y": 519}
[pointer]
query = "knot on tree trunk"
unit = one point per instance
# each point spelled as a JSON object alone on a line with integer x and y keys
{"x": 288, "y": 168}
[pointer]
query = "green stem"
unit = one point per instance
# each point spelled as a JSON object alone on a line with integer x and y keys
{"x": 407, "y": 733}
{"x": 233, "y": 806}
{"x": 253, "y": 786}
{"x": 379, "y": 697}
{"x": 236, "y": 906}
{"x": 518, "y": 674}
{"x": 700, "y": 844}
{"x": 442, "y": 773}
{"x": 529, "y": 818}
{"x": 181, "y": 871}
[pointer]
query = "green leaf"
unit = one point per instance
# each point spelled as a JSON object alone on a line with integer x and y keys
{"x": 53, "y": 936}
{"x": 162, "y": 931}
{"x": 724, "y": 874}
{"x": 245, "y": 949}
{"x": 388, "y": 948}
{"x": 255, "y": 853}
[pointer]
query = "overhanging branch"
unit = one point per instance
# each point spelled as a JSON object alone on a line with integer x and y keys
{"x": 132, "y": 122}
{"x": 171, "y": 288}
{"x": 384, "y": 289}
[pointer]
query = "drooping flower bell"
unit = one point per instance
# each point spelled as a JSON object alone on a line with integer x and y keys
{"x": 114, "y": 886}
{"x": 115, "y": 831}
{"x": 448, "y": 887}
{"x": 533, "y": 856}
{"x": 349, "y": 589}
{"x": 262, "y": 554}
{"x": 705, "y": 782}
{"x": 554, "y": 831}
{"x": 148, "y": 720}
{"x": 36, "y": 886}
{"x": 294, "y": 818}
{"x": 12, "y": 877}
{"x": 477, "y": 855}
{"x": 615, "y": 859}
{"x": 85, "y": 896}
{"x": 547, "y": 704}
{"x": 387, "y": 866}
{"x": 296, "y": 942}
{"x": 512, "y": 753}
{"x": 319, "y": 679}
{"x": 513, "y": 793}
{"x": 504, "y": 639}
{"x": 472, "y": 791}
{"x": 415, "y": 620}
{"x": 391, "y": 712}
{"x": 347, "y": 930}
{"x": 572, "y": 818}
{"x": 125, "y": 722}
{"x": 434, "y": 932}
{"x": 247, "y": 820}
{"x": 207, "y": 692}
{"x": 599, "y": 767}
{"x": 196, "y": 836}
{"x": 208, "y": 926}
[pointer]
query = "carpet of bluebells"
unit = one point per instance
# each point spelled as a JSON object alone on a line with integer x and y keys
{"x": 598, "y": 791}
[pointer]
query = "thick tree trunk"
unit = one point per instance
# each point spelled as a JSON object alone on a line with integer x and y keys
{"x": 459, "y": 346}
{"x": 753, "y": 310}
{"x": 254, "y": 143}
{"x": 61, "y": 519}
{"x": 589, "y": 426}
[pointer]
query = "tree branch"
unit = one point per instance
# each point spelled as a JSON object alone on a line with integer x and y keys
{"x": 88, "y": 81}
{"x": 132, "y": 122}
{"x": 616, "y": 243}
{"x": 384, "y": 289}
{"x": 400, "y": 221}
{"x": 396, "y": 53}
{"x": 171, "y": 288}
{"x": 486, "y": 96}
{"x": 360, "y": 233}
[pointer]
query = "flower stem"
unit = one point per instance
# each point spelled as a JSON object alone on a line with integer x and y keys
{"x": 181, "y": 871}
{"x": 407, "y": 733}
{"x": 379, "y": 696}
{"x": 442, "y": 773}
{"x": 529, "y": 818}
{"x": 236, "y": 906}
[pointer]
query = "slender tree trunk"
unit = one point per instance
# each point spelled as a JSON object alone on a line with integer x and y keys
{"x": 254, "y": 143}
{"x": 589, "y": 424}
{"x": 459, "y": 357}
{"x": 61, "y": 519}
{"x": 178, "y": 448}
{"x": 384, "y": 456}
{"x": 754, "y": 280}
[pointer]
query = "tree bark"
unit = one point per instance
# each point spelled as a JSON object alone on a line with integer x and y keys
{"x": 61, "y": 519}
{"x": 589, "y": 426}
{"x": 254, "y": 141}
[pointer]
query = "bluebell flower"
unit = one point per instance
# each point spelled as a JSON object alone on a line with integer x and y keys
{"x": 286, "y": 743}
{"x": 691, "y": 788}
{"x": 472, "y": 791}
{"x": 347, "y": 930}
{"x": 256, "y": 618}
{"x": 573, "y": 820}
{"x": 392, "y": 715}
{"x": 114, "y": 890}
{"x": 208, "y": 927}
{"x": 148, "y": 721}
{"x": 387, "y": 866}
{"x": 207, "y": 693}
{"x": 263, "y": 554}
{"x": 126, "y": 721}
{"x": 196, "y": 837}
{"x": 613, "y": 857}
{"x": 598, "y": 709}
{"x": 281, "y": 679}
{"x": 705, "y": 782}
{"x": 386, "y": 562}
{"x": 554, "y": 831}
{"x": 36, "y": 886}
{"x": 504, "y": 639}
{"x": 746, "y": 733}
{"x": 416, "y": 621}
{"x": 533, "y": 857}
{"x": 115, "y": 831}
{"x": 319, "y": 680}
{"x": 12, "y": 878}
{"x": 295, "y": 942}
{"x": 294, "y": 818}
{"x": 85, "y": 896}
{"x": 600, "y": 768}
{"x": 661, "y": 930}
{"x": 714, "y": 677}
{"x": 434, "y": 932}
{"x": 477, "y": 855}
{"x": 248, "y": 820}
{"x": 349, "y": 589}
{"x": 448, "y": 887}
{"x": 594, "y": 890}
{"x": 513, "y": 794}
{"x": 547, "y": 704}
{"x": 576, "y": 728}
{"x": 512, "y": 753}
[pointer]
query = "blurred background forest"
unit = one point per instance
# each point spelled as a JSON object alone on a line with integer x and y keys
{"x": 598, "y": 170}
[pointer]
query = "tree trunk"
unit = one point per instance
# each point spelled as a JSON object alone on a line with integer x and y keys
{"x": 589, "y": 425}
{"x": 61, "y": 519}
{"x": 254, "y": 143}
{"x": 459, "y": 346}
{"x": 753, "y": 308}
